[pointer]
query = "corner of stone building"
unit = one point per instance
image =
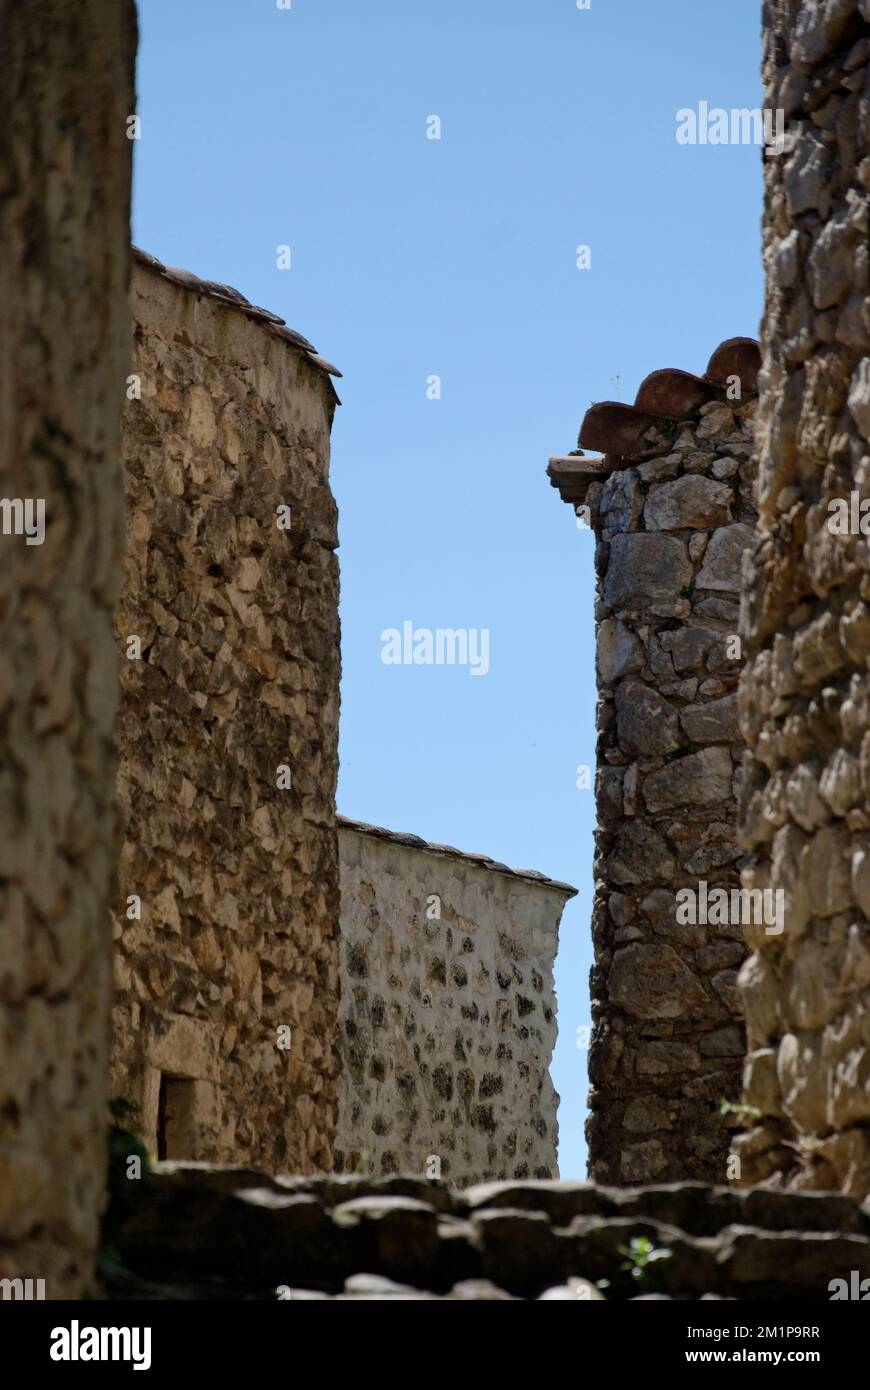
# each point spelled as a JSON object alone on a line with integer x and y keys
{"x": 671, "y": 501}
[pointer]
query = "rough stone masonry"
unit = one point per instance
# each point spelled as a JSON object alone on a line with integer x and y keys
{"x": 672, "y": 507}
{"x": 226, "y": 916}
{"x": 66, "y": 90}
{"x": 804, "y": 698}
{"x": 230, "y": 949}
{"x": 227, "y": 1233}
{"x": 447, "y": 1018}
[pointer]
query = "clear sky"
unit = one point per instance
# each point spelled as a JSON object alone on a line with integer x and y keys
{"x": 413, "y": 257}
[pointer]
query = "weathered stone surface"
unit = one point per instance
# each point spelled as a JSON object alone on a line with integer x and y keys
{"x": 806, "y": 174}
{"x": 830, "y": 263}
{"x": 805, "y": 804}
{"x": 818, "y": 29}
{"x": 652, "y": 982}
{"x": 667, "y": 662}
{"x": 803, "y": 704}
{"x": 66, "y": 89}
{"x": 646, "y": 1113}
{"x": 661, "y": 1058}
{"x": 621, "y": 502}
{"x": 840, "y": 783}
{"x": 688, "y": 501}
{"x": 447, "y": 1017}
{"x": 646, "y": 571}
{"x": 641, "y": 855}
{"x": 714, "y": 721}
{"x": 227, "y": 980}
{"x": 859, "y": 396}
{"x": 617, "y": 650}
{"x": 690, "y": 645}
{"x": 193, "y": 1236}
{"x": 647, "y": 723}
{"x": 723, "y": 558}
{"x": 700, "y": 779}
{"x": 861, "y": 881}
{"x": 662, "y": 466}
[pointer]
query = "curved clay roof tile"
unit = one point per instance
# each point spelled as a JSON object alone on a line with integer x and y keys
{"x": 736, "y": 357}
{"x": 668, "y": 394}
{"x": 614, "y": 428}
{"x": 673, "y": 393}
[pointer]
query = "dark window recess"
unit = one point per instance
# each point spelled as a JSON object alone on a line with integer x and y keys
{"x": 175, "y": 1130}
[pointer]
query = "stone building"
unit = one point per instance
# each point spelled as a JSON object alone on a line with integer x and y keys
{"x": 66, "y": 88}
{"x": 447, "y": 1018}
{"x": 804, "y": 698}
{"x": 230, "y": 952}
{"x": 671, "y": 502}
{"x": 226, "y": 915}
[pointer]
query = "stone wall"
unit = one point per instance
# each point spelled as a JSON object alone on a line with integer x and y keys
{"x": 226, "y": 960}
{"x": 805, "y": 704}
{"x": 672, "y": 507}
{"x": 448, "y": 1012}
{"x": 200, "y": 1233}
{"x": 66, "y": 89}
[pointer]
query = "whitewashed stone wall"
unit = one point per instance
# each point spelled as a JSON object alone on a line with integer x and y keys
{"x": 447, "y": 1018}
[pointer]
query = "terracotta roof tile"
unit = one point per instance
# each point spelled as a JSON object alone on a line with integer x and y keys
{"x": 629, "y": 433}
{"x": 673, "y": 393}
{"x": 619, "y": 429}
{"x": 736, "y": 357}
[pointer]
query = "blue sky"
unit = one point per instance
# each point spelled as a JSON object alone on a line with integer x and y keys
{"x": 456, "y": 257}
